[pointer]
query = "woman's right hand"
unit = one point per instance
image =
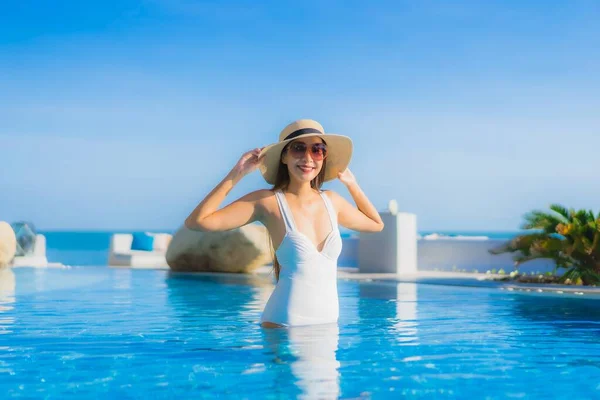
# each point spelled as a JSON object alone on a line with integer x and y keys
{"x": 247, "y": 163}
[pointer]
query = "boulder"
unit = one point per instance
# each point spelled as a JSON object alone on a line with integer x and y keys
{"x": 241, "y": 250}
{"x": 8, "y": 244}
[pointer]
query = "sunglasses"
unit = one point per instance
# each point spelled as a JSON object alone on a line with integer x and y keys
{"x": 318, "y": 151}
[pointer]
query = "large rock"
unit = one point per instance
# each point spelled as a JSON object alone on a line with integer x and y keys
{"x": 240, "y": 250}
{"x": 8, "y": 244}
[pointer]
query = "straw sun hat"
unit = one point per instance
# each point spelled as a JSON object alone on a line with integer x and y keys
{"x": 339, "y": 149}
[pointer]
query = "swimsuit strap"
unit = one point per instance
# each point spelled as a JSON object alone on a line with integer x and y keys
{"x": 330, "y": 209}
{"x": 285, "y": 211}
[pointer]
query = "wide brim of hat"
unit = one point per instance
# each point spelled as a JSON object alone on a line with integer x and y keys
{"x": 339, "y": 153}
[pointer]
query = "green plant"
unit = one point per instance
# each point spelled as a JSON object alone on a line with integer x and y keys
{"x": 570, "y": 238}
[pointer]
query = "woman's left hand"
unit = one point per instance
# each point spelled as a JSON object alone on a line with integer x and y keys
{"x": 347, "y": 177}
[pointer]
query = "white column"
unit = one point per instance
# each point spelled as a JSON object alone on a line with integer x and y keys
{"x": 393, "y": 250}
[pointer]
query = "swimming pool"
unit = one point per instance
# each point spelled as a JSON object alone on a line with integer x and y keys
{"x": 92, "y": 332}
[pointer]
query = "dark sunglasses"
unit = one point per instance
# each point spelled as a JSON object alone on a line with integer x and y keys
{"x": 318, "y": 151}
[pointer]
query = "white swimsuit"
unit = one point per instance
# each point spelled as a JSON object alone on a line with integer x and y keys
{"x": 306, "y": 292}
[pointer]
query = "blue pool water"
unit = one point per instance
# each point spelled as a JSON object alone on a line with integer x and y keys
{"x": 95, "y": 332}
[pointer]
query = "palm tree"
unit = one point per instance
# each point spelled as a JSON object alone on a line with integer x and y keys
{"x": 570, "y": 238}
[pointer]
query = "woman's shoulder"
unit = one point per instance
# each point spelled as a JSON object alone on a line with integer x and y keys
{"x": 263, "y": 200}
{"x": 260, "y": 198}
{"x": 261, "y": 194}
{"x": 263, "y": 197}
{"x": 333, "y": 196}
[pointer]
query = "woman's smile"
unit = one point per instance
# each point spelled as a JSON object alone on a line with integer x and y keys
{"x": 307, "y": 169}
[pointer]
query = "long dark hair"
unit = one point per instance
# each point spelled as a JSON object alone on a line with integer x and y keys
{"x": 282, "y": 181}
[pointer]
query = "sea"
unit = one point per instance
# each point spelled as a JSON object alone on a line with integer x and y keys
{"x": 90, "y": 248}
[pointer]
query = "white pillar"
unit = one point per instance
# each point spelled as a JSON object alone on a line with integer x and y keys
{"x": 393, "y": 250}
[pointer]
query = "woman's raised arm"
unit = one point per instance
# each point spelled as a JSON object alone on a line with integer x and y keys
{"x": 364, "y": 217}
{"x": 207, "y": 216}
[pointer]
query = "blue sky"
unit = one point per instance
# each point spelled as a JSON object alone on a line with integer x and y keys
{"x": 125, "y": 114}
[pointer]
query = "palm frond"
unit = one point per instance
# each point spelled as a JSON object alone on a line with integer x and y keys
{"x": 541, "y": 220}
{"x": 519, "y": 243}
{"x": 590, "y": 277}
{"x": 522, "y": 259}
{"x": 582, "y": 217}
{"x": 596, "y": 243}
{"x": 593, "y": 225}
{"x": 572, "y": 274}
{"x": 587, "y": 245}
{"x": 562, "y": 211}
{"x": 560, "y": 262}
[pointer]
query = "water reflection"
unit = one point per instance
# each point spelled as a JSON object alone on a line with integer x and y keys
{"x": 562, "y": 314}
{"x": 7, "y": 299}
{"x": 309, "y": 354}
{"x": 405, "y": 325}
{"x": 224, "y": 302}
{"x": 123, "y": 284}
{"x": 400, "y": 309}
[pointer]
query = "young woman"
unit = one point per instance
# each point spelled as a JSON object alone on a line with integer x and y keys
{"x": 302, "y": 220}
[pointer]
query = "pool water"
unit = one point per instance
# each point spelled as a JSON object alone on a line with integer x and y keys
{"x": 92, "y": 332}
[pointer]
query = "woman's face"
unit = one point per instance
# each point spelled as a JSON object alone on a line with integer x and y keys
{"x": 304, "y": 158}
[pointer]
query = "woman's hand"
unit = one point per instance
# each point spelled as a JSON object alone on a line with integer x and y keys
{"x": 247, "y": 163}
{"x": 347, "y": 177}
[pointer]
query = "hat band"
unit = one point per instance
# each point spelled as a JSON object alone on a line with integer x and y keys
{"x": 302, "y": 132}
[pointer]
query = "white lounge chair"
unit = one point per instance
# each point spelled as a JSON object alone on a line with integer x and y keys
{"x": 121, "y": 255}
{"x": 37, "y": 259}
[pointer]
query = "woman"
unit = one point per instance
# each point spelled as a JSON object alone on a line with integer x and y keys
{"x": 302, "y": 220}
